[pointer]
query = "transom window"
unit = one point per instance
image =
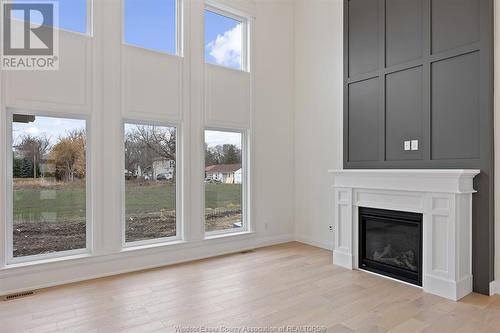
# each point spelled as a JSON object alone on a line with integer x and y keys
{"x": 152, "y": 24}
{"x": 225, "y": 39}
{"x": 73, "y": 15}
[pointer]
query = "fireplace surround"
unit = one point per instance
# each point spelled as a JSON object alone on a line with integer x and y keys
{"x": 444, "y": 200}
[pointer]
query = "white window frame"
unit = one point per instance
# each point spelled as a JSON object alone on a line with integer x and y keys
{"x": 179, "y": 217}
{"x": 10, "y": 259}
{"x": 245, "y": 182}
{"x": 245, "y": 34}
{"x": 179, "y": 31}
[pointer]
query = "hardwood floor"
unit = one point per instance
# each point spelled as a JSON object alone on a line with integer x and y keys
{"x": 289, "y": 284}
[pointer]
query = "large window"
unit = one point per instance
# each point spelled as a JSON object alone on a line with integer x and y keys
{"x": 150, "y": 182}
{"x": 152, "y": 24}
{"x": 73, "y": 14}
{"x": 224, "y": 181}
{"x": 48, "y": 185}
{"x": 225, "y": 39}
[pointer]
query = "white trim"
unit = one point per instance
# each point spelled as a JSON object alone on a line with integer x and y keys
{"x": 494, "y": 287}
{"x": 327, "y": 245}
{"x": 90, "y": 18}
{"x": 274, "y": 240}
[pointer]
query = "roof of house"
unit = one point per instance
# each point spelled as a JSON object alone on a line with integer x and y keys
{"x": 223, "y": 168}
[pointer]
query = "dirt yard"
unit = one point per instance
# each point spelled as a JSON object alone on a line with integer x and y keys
{"x": 39, "y": 238}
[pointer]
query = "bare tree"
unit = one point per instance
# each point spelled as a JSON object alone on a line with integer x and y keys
{"x": 33, "y": 148}
{"x": 145, "y": 144}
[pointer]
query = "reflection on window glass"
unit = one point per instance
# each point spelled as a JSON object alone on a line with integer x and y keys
{"x": 223, "y": 40}
{"x": 223, "y": 181}
{"x": 150, "y": 182}
{"x": 49, "y": 169}
{"x": 72, "y": 14}
{"x": 151, "y": 24}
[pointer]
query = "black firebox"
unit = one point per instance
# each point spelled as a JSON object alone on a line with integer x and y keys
{"x": 390, "y": 243}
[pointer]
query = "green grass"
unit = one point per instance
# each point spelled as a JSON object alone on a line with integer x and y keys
{"x": 144, "y": 199}
{"x": 29, "y": 206}
{"x": 222, "y": 195}
{"x": 70, "y": 203}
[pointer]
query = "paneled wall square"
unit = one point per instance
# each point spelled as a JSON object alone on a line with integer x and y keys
{"x": 455, "y": 108}
{"x": 454, "y": 23}
{"x": 404, "y": 113}
{"x": 363, "y": 36}
{"x": 227, "y": 97}
{"x": 364, "y": 127}
{"x": 152, "y": 84}
{"x": 66, "y": 89}
{"x": 404, "y": 31}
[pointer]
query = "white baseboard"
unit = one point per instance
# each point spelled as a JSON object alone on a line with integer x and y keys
{"x": 453, "y": 290}
{"x": 274, "y": 240}
{"x": 322, "y": 244}
{"x": 494, "y": 287}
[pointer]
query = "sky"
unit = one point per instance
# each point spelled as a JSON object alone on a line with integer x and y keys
{"x": 151, "y": 24}
{"x": 218, "y": 138}
{"x": 52, "y": 127}
{"x": 223, "y": 40}
{"x": 72, "y": 14}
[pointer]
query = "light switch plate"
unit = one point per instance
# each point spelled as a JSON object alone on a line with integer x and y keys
{"x": 414, "y": 144}
{"x": 407, "y": 145}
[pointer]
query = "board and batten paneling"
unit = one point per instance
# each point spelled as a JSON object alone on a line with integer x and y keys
{"x": 66, "y": 90}
{"x": 422, "y": 70}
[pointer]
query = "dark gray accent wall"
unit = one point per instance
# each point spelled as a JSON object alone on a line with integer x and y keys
{"x": 423, "y": 69}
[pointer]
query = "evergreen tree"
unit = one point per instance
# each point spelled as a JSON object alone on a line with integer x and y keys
{"x": 26, "y": 168}
{"x": 17, "y": 167}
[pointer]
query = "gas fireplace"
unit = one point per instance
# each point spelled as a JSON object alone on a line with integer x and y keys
{"x": 390, "y": 243}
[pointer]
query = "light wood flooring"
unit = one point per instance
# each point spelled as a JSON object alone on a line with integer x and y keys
{"x": 289, "y": 284}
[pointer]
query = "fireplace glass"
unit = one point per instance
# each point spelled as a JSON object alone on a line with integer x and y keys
{"x": 391, "y": 244}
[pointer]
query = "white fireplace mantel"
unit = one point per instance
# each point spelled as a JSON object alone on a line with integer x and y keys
{"x": 444, "y": 197}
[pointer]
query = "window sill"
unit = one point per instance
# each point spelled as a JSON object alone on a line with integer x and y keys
{"x": 128, "y": 252}
{"x": 229, "y": 234}
{"x": 41, "y": 262}
{"x": 132, "y": 248}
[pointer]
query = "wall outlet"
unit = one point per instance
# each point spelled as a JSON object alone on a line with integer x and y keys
{"x": 330, "y": 228}
{"x": 414, "y": 144}
{"x": 407, "y": 145}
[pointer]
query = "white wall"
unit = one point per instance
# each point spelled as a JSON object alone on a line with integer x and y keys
{"x": 318, "y": 115}
{"x": 273, "y": 128}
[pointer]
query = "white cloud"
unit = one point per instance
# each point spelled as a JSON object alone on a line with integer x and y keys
{"x": 33, "y": 131}
{"x": 226, "y": 48}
